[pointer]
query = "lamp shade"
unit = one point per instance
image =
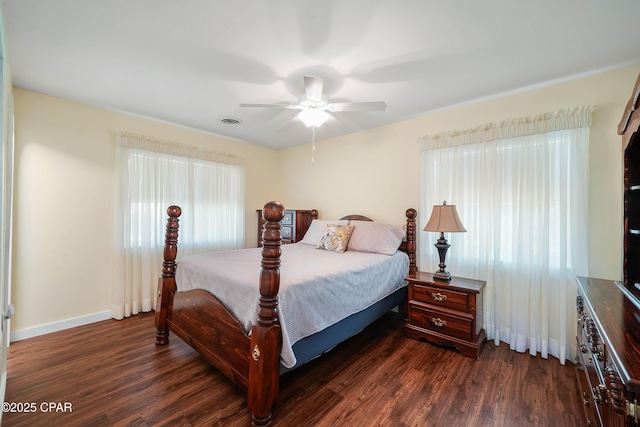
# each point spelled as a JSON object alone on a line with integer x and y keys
{"x": 444, "y": 218}
{"x": 313, "y": 117}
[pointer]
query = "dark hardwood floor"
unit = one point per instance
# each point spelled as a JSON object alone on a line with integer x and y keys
{"x": 112, "y": 374}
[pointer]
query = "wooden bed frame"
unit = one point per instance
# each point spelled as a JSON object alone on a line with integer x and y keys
{"x": 203, "y": 322}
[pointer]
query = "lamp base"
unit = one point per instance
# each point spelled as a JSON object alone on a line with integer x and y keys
{"x": 442, "y": 275}
{"x": 442, "y": 245}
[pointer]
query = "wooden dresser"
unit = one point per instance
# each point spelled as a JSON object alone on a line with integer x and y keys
{"x": 446, "y": 312}
{"x": 608, "y": 338}
{"x": 608, "y": 362}
{"x": 294, "y": 225}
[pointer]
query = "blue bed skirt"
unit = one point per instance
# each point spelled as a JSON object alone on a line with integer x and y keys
{"x": 313, "y": 346}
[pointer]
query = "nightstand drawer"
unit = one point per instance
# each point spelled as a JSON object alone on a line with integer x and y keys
{"x": 444, "y": 323}
{"x": 440, "y": 297}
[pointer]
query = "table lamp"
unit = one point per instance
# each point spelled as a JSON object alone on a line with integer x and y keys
{"x": 444, "y": 218}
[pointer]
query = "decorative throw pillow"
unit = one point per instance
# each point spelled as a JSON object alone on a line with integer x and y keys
{"x": 335, "y": 238}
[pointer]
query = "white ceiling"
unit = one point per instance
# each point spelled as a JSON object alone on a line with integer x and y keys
{"x": 193, "y": 62}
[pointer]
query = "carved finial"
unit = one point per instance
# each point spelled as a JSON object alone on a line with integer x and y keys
{"x": 174, "y": 211}
{"x": 273, "y": 211}
{"x": 171, "y": 242}
{"x": 411, "y": 239}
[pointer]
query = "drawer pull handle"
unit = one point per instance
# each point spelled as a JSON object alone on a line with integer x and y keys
{"x": 599, "y": 393}
{"x": 438, "y": 296}
{"x": 438, "y": 322}
{"x": 599, "y": 353}
{"x": 585, "y": 398}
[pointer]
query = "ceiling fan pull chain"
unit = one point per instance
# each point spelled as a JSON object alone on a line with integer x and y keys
{"x": 313, "y": 144}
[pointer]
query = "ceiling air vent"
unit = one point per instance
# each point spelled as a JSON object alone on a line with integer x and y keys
{"x": 230, "y": 121}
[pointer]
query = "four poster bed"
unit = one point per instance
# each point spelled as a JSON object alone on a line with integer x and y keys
{"x": 263, "y": 329}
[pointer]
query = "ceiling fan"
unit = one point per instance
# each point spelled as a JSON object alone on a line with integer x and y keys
{"x": 315, "y": 108}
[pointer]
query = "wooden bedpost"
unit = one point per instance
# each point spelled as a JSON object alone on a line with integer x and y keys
{"x": 266, "y": 336}
{"x": 411, "y": 240}
{"x": 167, "y": 282}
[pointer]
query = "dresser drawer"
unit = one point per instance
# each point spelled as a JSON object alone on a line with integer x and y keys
{"x": 589, "y": 381}
{"x": 293, "y": 226}
{"x": 440, "y": 297}
{"x": 286, "y": 232}
{"x": 287, "y": 219}
{"x": 442, "y": 322}
{"x": 586, "y": 397}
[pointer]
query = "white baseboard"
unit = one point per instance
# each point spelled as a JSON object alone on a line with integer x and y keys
{"x": 23, "y": 334}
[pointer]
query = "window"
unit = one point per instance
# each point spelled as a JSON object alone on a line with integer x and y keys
{"x": 521, "y": 189}
{"x": 151, "y": 176}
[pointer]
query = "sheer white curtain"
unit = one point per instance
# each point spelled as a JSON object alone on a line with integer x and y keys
{"x": 521, "y": 188}
{"x": 151, "y": 175}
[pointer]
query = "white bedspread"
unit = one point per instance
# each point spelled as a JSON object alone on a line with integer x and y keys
{"x": 317, "y": 288}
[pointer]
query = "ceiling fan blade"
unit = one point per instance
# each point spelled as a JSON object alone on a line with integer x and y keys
{"x": 357, "y": 106}
{"x": 313, "y": 88}
{"x": 288, "y": 125}
{"x": 289, "y": 106}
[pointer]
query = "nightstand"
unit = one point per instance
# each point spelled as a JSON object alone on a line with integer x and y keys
{"x": 446, "y": 313}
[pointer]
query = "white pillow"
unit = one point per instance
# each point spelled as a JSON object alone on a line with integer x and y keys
{"x": 316, "y": 230}
{"x": 375, "y": 237}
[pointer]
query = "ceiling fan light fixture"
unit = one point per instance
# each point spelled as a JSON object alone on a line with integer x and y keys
{"x": 312, "y": 117}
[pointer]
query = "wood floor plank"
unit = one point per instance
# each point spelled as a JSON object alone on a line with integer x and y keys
{"x": 113, "y": 374}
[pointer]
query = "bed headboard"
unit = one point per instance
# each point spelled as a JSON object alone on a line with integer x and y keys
{"x": 357, "y": 218}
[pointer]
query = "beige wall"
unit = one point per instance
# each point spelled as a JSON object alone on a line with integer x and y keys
{"x": 64, "y": 183}
{"x": 376, "y": 173}
{"x": 63, "y": 211}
